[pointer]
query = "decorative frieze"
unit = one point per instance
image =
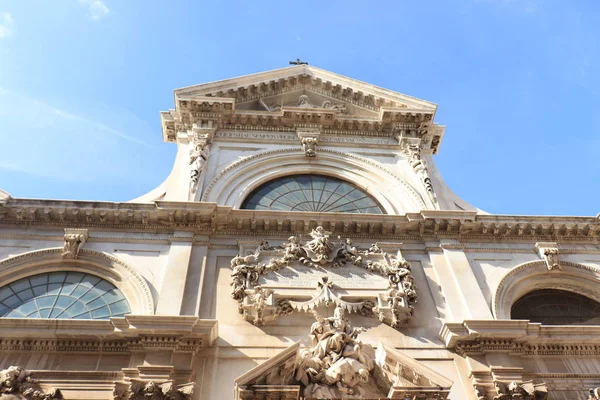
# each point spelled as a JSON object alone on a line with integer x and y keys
{"x": 520, "y": 391}
{"x": 137, "y": 389}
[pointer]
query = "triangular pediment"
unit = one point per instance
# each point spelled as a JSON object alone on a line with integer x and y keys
{"x": 301, "y": 77}
{"x": 300, "y": 96}
{"x": 396, "y": 376}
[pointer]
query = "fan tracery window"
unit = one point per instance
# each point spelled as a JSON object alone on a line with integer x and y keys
{"x": 557, "y": 307}
{"x": 316, "y": 193}
{"x": 62, "y": 295}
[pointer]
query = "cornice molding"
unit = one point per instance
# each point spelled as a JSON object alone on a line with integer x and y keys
{"x": 211, "y": 219}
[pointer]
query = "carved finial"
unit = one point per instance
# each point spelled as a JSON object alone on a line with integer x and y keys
{"x": 298, "y": 62}
{"x": 74, "y": 241}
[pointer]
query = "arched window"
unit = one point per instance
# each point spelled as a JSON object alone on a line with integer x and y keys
{"x": 62, "y": 295}
{"x": 317, "y": 193}
{"x": 557, "y": 307}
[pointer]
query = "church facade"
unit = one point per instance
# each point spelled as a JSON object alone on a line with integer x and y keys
{"x": 303, "y": 246}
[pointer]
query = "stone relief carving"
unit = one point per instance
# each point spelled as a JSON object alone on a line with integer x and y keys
{"x": 338, "y": 365}
{"x": 74, "y": 241}
{"x": 392, "y": 306}
{"x": 521, "y": 391}
{"x": 16, "y": 383}
{"x": 548, "y": 251}
{"x": 412, "y": 151}
{"x": 149, "y": 390}
{"x": 594, "y": 394}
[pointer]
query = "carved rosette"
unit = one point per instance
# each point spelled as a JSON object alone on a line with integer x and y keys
{"x": 258, "y": 304}
{"x": 18, "y": 382}
{"x": 150, "y": 390}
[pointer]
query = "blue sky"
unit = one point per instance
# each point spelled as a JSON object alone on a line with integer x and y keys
{"x": 82, "y": 83}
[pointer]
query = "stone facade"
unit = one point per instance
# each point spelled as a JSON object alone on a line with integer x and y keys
{"x": 230, "y": 302}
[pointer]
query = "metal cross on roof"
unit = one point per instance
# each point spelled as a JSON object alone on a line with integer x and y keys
{"x": 298, "y": 62}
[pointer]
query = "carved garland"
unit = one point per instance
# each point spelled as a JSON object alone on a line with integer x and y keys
{"x": 393, "y": 306}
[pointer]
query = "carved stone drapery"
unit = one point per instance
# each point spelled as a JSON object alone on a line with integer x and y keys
{"x": 258, "y": 304}
{"x": 149, "y": 390}
{"x": 74, "y": 241}
{"x": 17, "y": 382}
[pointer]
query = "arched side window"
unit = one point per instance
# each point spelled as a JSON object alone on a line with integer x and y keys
{"x": 556, "y": 307}
{"x": 309, "y": 192}
{"x": 62, "y": 295}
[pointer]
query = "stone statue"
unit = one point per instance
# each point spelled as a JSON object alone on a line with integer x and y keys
{"x": 594, "y": 394}
{"x": 258, "y": 297}
{"x": 304, "y": 102}
{"x": 338, "y": 364}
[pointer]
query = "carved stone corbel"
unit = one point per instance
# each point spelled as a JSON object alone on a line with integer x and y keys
{"x": 17, "y": 382}
{"x": 549, "y": 252}
{"x": 74, "y": 241}
{"x": 309, "y": 137}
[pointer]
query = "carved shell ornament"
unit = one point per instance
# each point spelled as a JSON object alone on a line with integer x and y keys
{"x": 392, "y": 303}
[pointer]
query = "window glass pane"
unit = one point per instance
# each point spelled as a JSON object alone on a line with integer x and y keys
{"x": 557, "y": 307}
{"x": 313, "y": 193}
{"x": 62, "y": 295}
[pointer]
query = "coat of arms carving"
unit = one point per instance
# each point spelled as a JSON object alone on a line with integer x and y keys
{"x": 322, "y": 270}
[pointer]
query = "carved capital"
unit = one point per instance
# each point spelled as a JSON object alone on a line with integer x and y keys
{"x": 74, "y": 241}
{"x": 548, "y": 251}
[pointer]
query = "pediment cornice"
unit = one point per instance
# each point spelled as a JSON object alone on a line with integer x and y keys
{"x": 344, "y": 104}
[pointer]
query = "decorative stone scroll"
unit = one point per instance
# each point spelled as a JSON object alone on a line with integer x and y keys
{"x": 149, "y": 390}
{"x": 17, "y": 384}
{"x": 411, "y": 148}
{"x": 74, "y": 241}
{"x": 329, "y": 265}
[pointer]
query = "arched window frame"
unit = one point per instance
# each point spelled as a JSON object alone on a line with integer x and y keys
{"x": 534, "y": 275}
{"x": 110, "y": 268}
